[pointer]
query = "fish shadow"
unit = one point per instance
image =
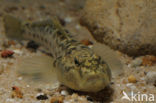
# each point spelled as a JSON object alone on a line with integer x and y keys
{"x": 103, "y": 96}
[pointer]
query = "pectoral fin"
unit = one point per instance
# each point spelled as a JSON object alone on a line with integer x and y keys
{"x": 37, "y": 68}
{"x": 110, "y": 57}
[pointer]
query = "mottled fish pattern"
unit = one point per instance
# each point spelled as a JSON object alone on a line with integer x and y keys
{"x": 78, "y": 67}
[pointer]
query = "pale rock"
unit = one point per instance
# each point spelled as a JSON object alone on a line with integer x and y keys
{"x": 125, "y": 25}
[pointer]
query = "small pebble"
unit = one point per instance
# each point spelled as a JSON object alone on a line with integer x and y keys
{"x": 17, "y": 92}
{"x": 42, "y": 97}
{"x": 136, "y": 62}
{"x": 149, "y": 60}
{"x": 132, "y": 79}
{"x": 6, "y": 53}
{"x": 32, "y": 45}
{"x": 57, "y": 99}
{"x": 74, "y": 95}
{"x": 10, "y": 100}
{"x": 27, "y": 86}
{"x": 11, "y": 42}
{"x": 90, "y": 46}
{"x": 17, "y": 51}
{"x": 151, "y": 78}
{"x": 63, "y": 92}
{"x": 89, "y": 98}
{"x": 143, "y": 78}
{"x": 86, "y": 42}
{"x": 62, "y": 21}
{"x": 20, "y": 78}
{"x": 78, "y": 26}
{"x": 133, "y": 87}
{"x": 68, "y": 19}
{"x": 118, "y": 85}
{"x": 40, "y": 94}
{"x": 18, "y": 46}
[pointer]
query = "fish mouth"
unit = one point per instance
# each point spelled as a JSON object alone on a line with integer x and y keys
{"x": 94, "y": 83}
{"x": 86, "y": 83}
{"x": 93, "y": 78}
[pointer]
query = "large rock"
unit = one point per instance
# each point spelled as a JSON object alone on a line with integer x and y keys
{"x": 125, "y": 25}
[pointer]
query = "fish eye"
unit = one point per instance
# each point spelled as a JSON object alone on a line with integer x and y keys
{"x": 76, "y": 62}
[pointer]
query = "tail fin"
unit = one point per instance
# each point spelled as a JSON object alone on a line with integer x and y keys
{"x": 13, "y": 27}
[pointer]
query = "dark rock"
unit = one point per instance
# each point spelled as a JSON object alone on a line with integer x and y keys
{"x": 89, "y": 98}
{"x": 42, "y": 97}
{"x": 32, "y": 45}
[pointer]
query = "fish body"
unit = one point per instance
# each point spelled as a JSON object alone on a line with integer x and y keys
{"x": 78, "y": 67}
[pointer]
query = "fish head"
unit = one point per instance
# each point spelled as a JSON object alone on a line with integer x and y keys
{"x": 84, "y": 71}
